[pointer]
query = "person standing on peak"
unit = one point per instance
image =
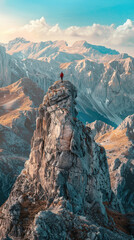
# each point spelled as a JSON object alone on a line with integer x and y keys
{"x": 61, "y": 76}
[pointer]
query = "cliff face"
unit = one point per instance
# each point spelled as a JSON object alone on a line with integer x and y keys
{"x": 66, "y": 153}
{"x": 13, "y": 154}
{"x": 5, "y": 73}
{"x": 99, "y": 128}
{"x": 18, "y": 109}
{"x": 106, "y": 85}
{"x": 60, "y": 192}
{"x": 119, "y": 145}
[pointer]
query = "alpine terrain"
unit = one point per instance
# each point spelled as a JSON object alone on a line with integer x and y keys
{"x": 64, "y": 191}
{"x": 66, "y": 148}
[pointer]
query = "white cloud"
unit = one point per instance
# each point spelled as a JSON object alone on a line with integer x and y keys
{"x": 121, "y": 37}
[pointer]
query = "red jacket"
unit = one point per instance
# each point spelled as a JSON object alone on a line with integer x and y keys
{"x": 61, "y": 75}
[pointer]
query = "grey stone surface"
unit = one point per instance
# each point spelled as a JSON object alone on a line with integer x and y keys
{"x": 105, "y": 81}
{"x": 119, "y": 145}
{"x": 60, "y": 192}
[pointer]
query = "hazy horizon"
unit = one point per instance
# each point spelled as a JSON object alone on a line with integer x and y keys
{"x": 108, "y": 24}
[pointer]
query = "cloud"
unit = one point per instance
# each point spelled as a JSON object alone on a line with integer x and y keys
{"x": 120, "y": 37}
{"x": 124, "y": 34}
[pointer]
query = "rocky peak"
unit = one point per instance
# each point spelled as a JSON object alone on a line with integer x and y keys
{"x": 61, "y": 190}
{"x": 17, "y": 41}
{"x": 62, "y": 94}
{"x": 128, "y": 123}
{"x": 99, "y": 128}
{"x": 65, "y": 147}
{"x": 119, "y": 146}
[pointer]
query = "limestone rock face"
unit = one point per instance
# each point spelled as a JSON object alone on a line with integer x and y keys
{"x": 11, "y": 69}
{"x": 18, "y": 109}
{"x": 70, "y": 156}
{"x": 119, "y": 145}
{"x": 60, "y": 192}
{"x": 13, "y": 154}
{"x": 104, "y": 77}
{"x": 99, "y": 128}
{"x": 5, "y": 73}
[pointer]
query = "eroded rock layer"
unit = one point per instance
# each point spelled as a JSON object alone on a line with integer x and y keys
{"x": 61, "y": 191}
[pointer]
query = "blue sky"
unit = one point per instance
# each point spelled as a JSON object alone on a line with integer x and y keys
{"x": 69, "y": 12}
{"x": 100, "y": 22}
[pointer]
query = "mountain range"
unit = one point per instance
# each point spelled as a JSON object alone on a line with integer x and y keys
{"x": 18, "y": 111}
{"x": 64, "y": 190}
{"x": 57, "y": 50}
{"x": 104, "y": 82}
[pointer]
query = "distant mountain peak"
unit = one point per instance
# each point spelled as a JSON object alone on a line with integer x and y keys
{"x": 78, "y": 44}
{"x": 60, "y": 43}
{"x": 66, "y": 175}
{"x": 19, "y": 40}
{"x": 16, "y": 41}
{"x": 100, "y": 49}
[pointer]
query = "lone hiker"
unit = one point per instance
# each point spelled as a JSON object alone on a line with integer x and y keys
{"x": 61, "y": 76}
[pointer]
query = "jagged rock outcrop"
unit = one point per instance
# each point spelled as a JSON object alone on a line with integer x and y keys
{"x": 18, "y": 110}
{"x": 99, "y": 128}
{"x": 104, "y": 79}
{"x": 14, "y": 152}
{"x": 11, "y": 69}
{"x": 60, "y": 192}
{"x": 5, "y": 73}
{"x": 18, "y": 107}
{"x": 58, "y": 50}
{"x": 119, "y": 145}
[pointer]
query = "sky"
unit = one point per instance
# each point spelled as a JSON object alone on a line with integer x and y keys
{"x": 100, "y": 22}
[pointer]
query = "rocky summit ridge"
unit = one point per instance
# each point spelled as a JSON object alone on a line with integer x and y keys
{"x": 64, "y": 188}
